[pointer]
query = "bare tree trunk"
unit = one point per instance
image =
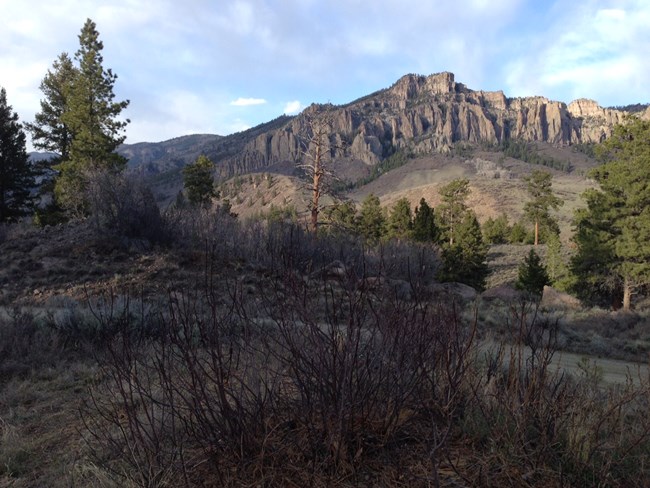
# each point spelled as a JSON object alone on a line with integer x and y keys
{"x": 318, "y": 173}
{"x": 536, "y": 232}
{"x": 627, "y": 294}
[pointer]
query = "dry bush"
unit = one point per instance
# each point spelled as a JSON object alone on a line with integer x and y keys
{"x": 537, "y": 425}
{"x": 25, "y": 343}
{"x": 305, "y": 382}
{"x": 313, "y": 379}
{"x": 124, "y": 207}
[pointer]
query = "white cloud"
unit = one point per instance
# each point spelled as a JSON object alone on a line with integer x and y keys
{"x": 247, "y": 102}
{"x": 293, "y": 107}
{"x": 589, "y": 51}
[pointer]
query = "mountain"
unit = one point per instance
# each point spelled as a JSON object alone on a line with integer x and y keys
{"x": 418, "y": 114}
{"x": 149, "y": 158}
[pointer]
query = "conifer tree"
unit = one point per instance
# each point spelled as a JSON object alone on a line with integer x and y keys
{"x": 536, "y": 210}
{"x": 453, "y": 208}
{"x": 424, "y": 223}
{"x": 496, "y": 231}
{"x": 198, "y": 181}
{"x": 342, "y": 217}
{"x": 465, "y": 260}
{"x": 16, "y": 174}
{"x": 613, "y": 232}
{"x": 371, "y": 221}
{"x": 48, "y": 130}
{"x": 400, "y": 221}
{"x": 92, "y": 117}
{"x": 532, "y": 276}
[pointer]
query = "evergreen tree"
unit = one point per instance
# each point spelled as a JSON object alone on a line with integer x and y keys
{"x": 518, "y": 233}
{"x": 342, "y": 217}
{"x": 424, "y": 223}
{"x": 16, "y": 174}
{"x": 555, "y": 264}
{"x": 613, "y": 232}
{"x": 465, "y": 260}
{"x": 48, "y": 131}
{"x": 400, "y": 221}
{"x": 496, "y": 231}
{"x": 198, "y": 181}
{"x": 532, "y": 275}
{"x": 536, "y": 210}
{"x": 453, "y": 208}
{"x": 92, "y": 117}
{"x": 371, "y": 221}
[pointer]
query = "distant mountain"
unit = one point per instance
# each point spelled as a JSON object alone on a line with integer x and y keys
{"x": 36, "y": 156}
{"x": 429, "y": 114}
{"x": 151, "y": 158}
{"x": 418, "y": 114}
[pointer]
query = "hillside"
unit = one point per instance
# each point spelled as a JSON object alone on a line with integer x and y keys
{"x": 434, "y": 119}
{"x": 419, "y": 114}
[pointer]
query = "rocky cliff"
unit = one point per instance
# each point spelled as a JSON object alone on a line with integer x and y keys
{"x": 421, "y": 114}
{"x": 426, "y": 114}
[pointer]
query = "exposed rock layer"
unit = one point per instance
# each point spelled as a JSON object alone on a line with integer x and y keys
{"x": 423, "y": 114}
{"x": 431, "y": 113}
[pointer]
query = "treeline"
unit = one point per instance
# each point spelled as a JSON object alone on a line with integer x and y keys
{"x": 527, "y": 152}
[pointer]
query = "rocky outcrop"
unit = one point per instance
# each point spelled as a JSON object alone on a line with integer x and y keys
{"x": 429, "y": 114}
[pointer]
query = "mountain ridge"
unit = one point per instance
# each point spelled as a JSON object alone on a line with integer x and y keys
{"x": 420, "y": 114}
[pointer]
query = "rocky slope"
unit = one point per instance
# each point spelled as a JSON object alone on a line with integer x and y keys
{"x": 427, "y": 114}
{"x": 420, "y": 114}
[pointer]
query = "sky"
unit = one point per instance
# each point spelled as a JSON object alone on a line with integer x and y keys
{"x": 218, "y": 67}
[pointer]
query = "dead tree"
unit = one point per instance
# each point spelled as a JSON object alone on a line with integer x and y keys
{"x": 317, "y": 154}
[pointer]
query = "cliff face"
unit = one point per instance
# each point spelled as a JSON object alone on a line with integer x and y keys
{"x": 430, "y": 113}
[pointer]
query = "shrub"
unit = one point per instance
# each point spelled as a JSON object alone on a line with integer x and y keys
{"x": 124, "y": 207}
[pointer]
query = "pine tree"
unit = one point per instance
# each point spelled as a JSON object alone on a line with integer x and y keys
{"x": 198, "y": 181}
{"x": 371, "y": 221}
{"x": 613, "y": 232}
{"x": 342, "y": 217}
{"x": 16, "y": 174}
{"x": 48, "y": 131}
{"x": 424, "y": 223}
{"x": 92, "y": 117}
{"x": 400, "y": 221}
{"x": 536, "y": 210}
{"x": 555, "y": 264}
{"x": 532, "y": 276}
{"x": 496, "y": 231}
{"x": 465, "y": 260}
{"x": 453, "y": 208}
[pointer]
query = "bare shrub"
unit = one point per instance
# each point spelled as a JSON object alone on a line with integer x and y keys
{"x": 125, "y": 207}
{"x": 538, "y": 425}
{"x": 25, "y": 343}
{"x": 306, "y": 381}
{"x": 314, "y": 380}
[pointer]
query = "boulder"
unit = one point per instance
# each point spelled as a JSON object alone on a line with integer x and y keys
{"x": 552, "y": 298}
{"x": 504, "y": 293}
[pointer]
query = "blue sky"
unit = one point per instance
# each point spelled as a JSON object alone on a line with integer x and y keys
{"x": 201, "y": 66}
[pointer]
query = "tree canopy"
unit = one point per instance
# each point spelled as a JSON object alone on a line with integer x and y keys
{"x": 80, "y": 119}
{"x": 48, "y": 130}
{"x": 16, "y": 174}
{"x": 613, "y": 232}
{"x": 532, "y": 276}
{"x": 400, "y": 221}
{"x": 453, "y": 208}
{"x": 465, "y": 260}
{"x": 198, "y": 181}
{"x": 424, "y": 223}
{"x": 536, "y": 210}
{"x": 371, "y": 220}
